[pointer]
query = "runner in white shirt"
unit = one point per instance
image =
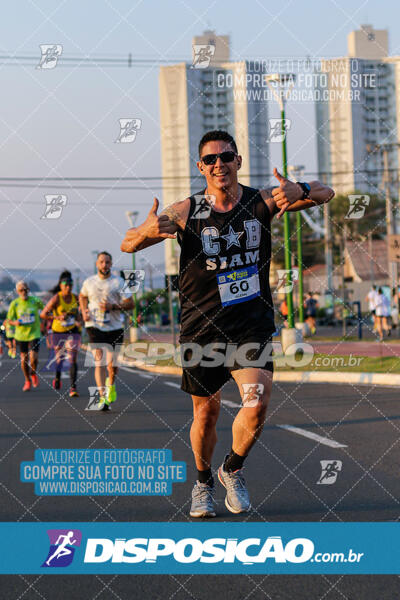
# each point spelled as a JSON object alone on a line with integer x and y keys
{"x": 382, "y": 312}
{"x": 101, "y": 306}
{"x": 372, "y": 298}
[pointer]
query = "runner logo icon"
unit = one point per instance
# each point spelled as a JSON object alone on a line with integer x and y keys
{"x": 330, "y": 470}
{"x": 62, "y": 547}
{"x": 202, "y": 55}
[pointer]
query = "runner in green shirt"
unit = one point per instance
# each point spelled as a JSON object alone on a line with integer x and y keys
{"x": 24, "y": 313}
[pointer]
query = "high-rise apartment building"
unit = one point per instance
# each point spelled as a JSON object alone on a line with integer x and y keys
{"x": 357, "y": 111}
{"x": 195, "y": 100}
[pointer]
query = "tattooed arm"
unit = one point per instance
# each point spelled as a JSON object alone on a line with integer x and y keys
{"x": 157, "y": 228}
{"x": 287, "y": 197}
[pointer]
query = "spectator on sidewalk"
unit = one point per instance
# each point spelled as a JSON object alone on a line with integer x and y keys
{"x": 283, "y": 309}
{"x": 311, "y": 306}
{"x": 372, "y": 299}
{"x": 382, "y": 312}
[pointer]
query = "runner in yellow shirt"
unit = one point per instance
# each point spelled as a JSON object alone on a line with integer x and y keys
{"x": 66, "y": 329}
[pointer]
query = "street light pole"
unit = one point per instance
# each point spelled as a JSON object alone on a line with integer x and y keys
{"x": 277, "y": 83}
{"x": 95, "y": 254}
{"x": 286, "y": 227}
{"x": 297, "y": 174}
{"x": 132, "y": 215}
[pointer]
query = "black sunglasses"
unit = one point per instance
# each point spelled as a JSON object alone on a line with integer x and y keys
{"x": 67, "y": 282}
{"x": 211, "y": 159}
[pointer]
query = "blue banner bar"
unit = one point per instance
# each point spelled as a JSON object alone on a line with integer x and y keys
{"x": 200, "y": 548}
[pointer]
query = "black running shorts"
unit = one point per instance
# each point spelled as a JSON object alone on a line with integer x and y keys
{"x": 32, "y": 346}
{"x": 203, "y": 380}
{"x": 114, "y": 337}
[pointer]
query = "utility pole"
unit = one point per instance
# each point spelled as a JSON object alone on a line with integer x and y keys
{"x": 343, "y": 248}
{"x": 328, "y": 245}
{"x": 390, "y": 222}
{"x": 371, "y": 258}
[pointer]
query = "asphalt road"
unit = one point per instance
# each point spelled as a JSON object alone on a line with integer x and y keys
{"x": 281, "y": 474}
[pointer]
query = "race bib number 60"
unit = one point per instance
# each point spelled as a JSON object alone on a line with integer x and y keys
{"x": 239, "y": 286}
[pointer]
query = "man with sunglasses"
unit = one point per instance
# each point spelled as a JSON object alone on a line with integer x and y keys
{"x": 225, "y": 301}
{"x": 24, "y": 313}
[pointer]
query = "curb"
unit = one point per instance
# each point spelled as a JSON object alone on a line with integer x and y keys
{"x": 293, "y": 376}
{"x": 152, "y": 368}
{"x": 384, "y": 379}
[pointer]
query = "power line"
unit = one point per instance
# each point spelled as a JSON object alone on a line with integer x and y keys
{"x": 127, "y": 61}
{"x": 83, "y": 187}
{"x": 175, "y": 177}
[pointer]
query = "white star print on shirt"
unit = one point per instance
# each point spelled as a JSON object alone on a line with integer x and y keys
{"x": 232, "y": 237}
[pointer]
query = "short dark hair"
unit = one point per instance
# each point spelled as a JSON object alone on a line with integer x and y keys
{"x": 106, "y": 253}
{"x": 216, "y": 136}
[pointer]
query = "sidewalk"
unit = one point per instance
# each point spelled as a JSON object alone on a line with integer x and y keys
{"x": 333, "y": 348}
{"x": 363, "y": 348}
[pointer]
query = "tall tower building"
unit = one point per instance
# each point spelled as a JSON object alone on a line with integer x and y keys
{"x": 357, "y": 111}
{"x": 193, "y": 100}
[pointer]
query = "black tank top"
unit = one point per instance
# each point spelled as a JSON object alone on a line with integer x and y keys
{"x": 224, "y": 271}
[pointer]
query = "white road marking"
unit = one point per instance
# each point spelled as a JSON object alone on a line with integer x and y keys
{"x": 135, "y": 372}
{"x": 172, "y": 384}
{"x": 64, "y": 375}
{"x": 231, "y": 404}
{"x": 313, "y": 436}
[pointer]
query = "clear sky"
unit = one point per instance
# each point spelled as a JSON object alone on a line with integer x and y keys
{"x": 64, "y": 121}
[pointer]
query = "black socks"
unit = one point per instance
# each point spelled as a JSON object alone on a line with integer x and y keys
{"x": 205, "y": 477}
{"x": 72, "y": 374}
{"x": 233, "y": 462}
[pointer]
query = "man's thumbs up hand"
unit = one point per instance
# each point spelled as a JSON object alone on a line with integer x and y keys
{"x": 286, "y": 194}
{"x": 159, "y": 226}
{"x": 155, "y": 206}
{"x": 279, "y": 177}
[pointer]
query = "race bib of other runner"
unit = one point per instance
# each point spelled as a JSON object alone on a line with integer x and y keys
{"x": 239, "y": 286}
{"x": 102, "y": 317}
{"x": 26, "y": 319}
{"x": 68, "y": 322}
